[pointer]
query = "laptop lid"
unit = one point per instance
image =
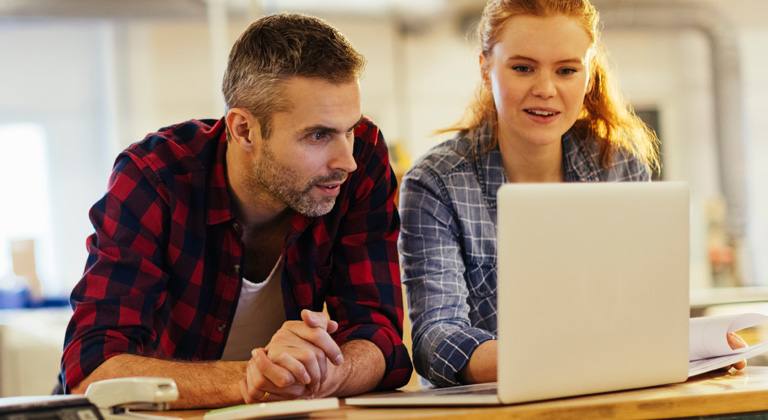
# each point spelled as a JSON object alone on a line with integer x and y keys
{"x": 593, "y": 283}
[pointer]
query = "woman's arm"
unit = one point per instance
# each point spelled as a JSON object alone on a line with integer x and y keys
{"x": 432, "y": 260}
{"x": 482, "y": 365}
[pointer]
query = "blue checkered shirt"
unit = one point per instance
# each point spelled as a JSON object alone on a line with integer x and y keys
{"x": 448, "y": 243}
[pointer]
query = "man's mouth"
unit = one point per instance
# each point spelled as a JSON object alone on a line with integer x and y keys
{"x": 332, "y": 184}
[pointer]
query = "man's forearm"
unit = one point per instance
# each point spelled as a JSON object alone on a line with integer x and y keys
{"x": 362, "y": 370}
{"x": 201, "y": 384}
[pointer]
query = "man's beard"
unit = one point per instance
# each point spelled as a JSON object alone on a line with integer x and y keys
{"x": 287, "y": 185}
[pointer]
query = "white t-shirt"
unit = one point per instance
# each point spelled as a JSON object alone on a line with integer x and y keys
{"x": 259, "y": 314}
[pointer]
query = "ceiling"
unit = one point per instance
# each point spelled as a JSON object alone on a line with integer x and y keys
{"x": 109, "y": 9}
{"x": 164, "y": 9}
{"x": 747, "y": 12}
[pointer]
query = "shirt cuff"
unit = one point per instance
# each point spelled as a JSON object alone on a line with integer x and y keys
{"x": 398, "y": 367}
{"x": 454, "y": 353}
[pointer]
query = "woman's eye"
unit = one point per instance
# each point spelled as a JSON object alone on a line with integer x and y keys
{"x": 522, "y": 69}
{"x": 566, "y": 72}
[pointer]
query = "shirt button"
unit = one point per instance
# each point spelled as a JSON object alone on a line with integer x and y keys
{"x": 236, "y": 226}
{"x": 236, "y": 269}
{"x": 221, "y": 327}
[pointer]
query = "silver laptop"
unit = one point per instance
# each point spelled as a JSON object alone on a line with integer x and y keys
{"x": 593, "y": 288}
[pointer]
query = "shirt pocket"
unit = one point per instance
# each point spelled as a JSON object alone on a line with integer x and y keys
{"x": 481, "y": 278}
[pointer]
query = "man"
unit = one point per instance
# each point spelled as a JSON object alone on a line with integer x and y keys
{"x": 218, "y": 243}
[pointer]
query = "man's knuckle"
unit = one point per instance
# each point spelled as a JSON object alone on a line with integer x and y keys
{"x": 318, "y": 354}
{"x": 316, "y": 335}
{"x": 305, "y": 355}
{"x": 281, "y": 334}
{"x": 282, "y": 380}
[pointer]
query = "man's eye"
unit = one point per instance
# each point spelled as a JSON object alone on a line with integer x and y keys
{"x": 319, "y": 136}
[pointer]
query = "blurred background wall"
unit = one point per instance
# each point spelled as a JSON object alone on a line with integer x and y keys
{"x": 80, "y": 80}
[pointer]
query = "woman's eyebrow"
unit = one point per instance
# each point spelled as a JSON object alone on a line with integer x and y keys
{"x": 518, "y": 57}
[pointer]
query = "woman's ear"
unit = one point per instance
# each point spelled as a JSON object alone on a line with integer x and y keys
{"x": 243, "y": 128}
{"x": 485, "y": 77}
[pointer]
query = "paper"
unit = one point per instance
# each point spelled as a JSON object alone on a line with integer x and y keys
{"x": 273, "y": 410}
{"x": 708, "y": 344}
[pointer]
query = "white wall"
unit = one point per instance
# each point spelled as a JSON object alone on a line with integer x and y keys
{"x": 52, "y": 75}
{"x": 753, "y": 41}
{"x": 670, "y": 71}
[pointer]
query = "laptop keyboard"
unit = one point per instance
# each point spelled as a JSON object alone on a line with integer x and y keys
{"x": 475, "y": 389}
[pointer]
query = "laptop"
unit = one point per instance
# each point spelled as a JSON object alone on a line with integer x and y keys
{"x": 593, "y": 283}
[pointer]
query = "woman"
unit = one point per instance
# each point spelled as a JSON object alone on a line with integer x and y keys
{"x": 545, "y": 111}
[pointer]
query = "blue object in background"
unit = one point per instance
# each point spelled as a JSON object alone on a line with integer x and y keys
{"x": 14, "y": 298}
{"x": 22, "y": 298}
{"x": 47, "y": 302}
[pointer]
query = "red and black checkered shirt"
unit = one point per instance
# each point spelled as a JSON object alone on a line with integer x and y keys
{"x": 163, "y": 274}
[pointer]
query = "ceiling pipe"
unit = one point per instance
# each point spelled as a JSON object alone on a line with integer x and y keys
{"x": 726, "y": 82}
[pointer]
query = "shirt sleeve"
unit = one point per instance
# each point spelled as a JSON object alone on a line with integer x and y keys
{"x": 123, "y": 281}
{"x": 433, "y": 272}
{"x": 366, "y": 294}
{"x": 640, "y": 171}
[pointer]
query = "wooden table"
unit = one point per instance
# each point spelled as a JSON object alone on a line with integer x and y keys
{"x": 744, "y": 393}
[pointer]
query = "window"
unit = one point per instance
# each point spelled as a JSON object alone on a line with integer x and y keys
{"x": 26, "y": 212}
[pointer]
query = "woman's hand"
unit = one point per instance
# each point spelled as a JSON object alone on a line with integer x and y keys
{"x": 736, "y": 342}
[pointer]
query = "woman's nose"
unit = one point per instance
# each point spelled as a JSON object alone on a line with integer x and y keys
{"x": 544, "y": 86}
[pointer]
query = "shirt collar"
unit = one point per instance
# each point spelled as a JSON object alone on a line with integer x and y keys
{"x": 578, "y": 155}
{"x": 219, "y": 202}
{"x": 488, "y": 164}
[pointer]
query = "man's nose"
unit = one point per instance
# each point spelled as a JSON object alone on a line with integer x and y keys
{"x": 342, "y": 155}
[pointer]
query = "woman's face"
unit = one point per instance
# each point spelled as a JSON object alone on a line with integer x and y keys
{"x": 538, "y": 73}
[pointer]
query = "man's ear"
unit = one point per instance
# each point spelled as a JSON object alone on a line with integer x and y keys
{"x": 244, "y": 128}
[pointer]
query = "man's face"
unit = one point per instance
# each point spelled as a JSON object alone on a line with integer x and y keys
{"x": 309, "y": 152}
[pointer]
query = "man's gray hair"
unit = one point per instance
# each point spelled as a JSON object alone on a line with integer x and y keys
{"x": 277, "y": 47}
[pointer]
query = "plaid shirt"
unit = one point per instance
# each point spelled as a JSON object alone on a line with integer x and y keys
{"x": 163, "y": 274}
{"x": 448, "y": 243}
